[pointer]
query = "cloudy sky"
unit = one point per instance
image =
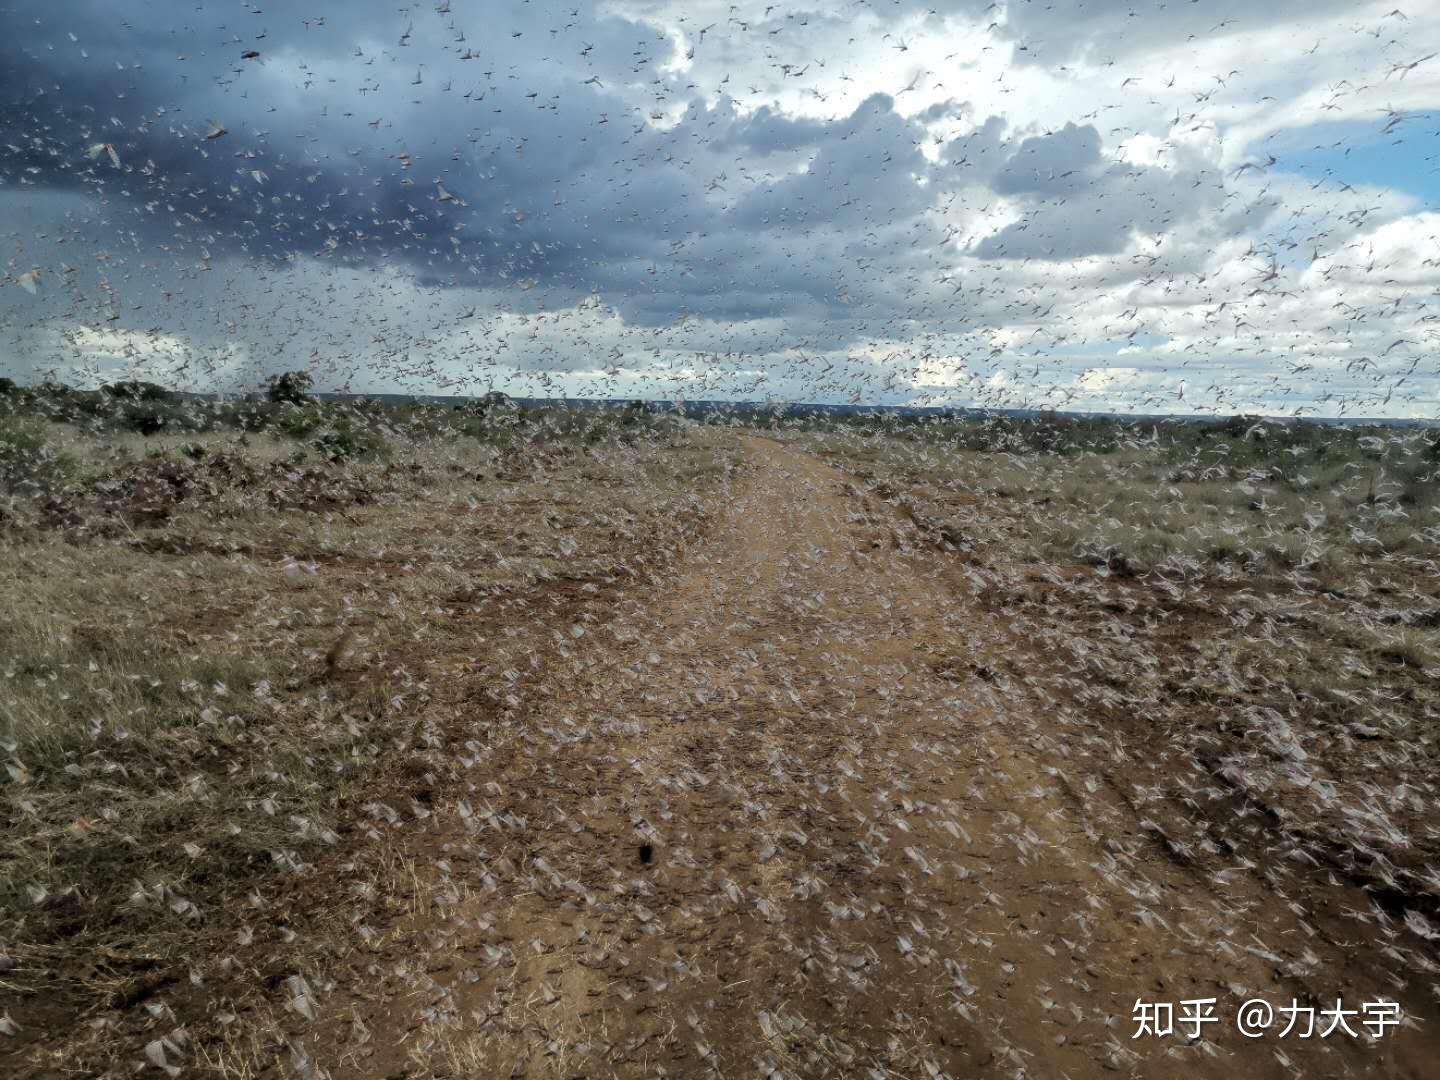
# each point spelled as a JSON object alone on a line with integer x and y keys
{"x": 1131, "y": 205}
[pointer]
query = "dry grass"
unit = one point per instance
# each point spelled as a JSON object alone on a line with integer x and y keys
{"x": 1227, "y": 636}
{"x": 1139, "y": 506}
{"x": 197, "y": 703}
{"x": 98, "y": 454}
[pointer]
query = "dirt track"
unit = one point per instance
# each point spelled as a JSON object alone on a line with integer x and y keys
{"x": 868, "y": 855}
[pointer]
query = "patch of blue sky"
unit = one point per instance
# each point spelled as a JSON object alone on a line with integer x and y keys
{"x": 1365, "y": 154}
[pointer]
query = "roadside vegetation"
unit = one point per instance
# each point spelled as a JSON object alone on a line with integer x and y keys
{"x": 1242, "y": 494}
{"x": 1236, "y": 625}
{"x": 225, "y": 643}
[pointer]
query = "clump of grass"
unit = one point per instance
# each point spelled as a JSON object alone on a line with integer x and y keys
{"x": 348, "y": 438}
{"x": 132, "y": 752}
{"x": 29, "y": 465}
{"x": 1410, "y": 647}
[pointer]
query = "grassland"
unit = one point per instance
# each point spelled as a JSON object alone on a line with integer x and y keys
{"x": 1213, "y": 620}
{"x": 215, "y": 645}
{"x": 272, "y": 671}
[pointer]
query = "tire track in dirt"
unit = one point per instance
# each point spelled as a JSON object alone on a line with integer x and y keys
{"x": 862, "y": 861}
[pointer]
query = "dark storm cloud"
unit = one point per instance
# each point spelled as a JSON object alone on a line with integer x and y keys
{"x": 976, "y": 156}
{"x": 1075, "y": 204}
{"x": 765, "y": 131}
{"x": 503, "y": 154}
{"x": 1046, "y": 165}
{"x": 367, "y": 145}
{"x": 482, "y": 158}
{"x": 863, "y": 173}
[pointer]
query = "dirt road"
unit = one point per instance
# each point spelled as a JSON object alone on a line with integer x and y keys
{"x": 781, "y": 817}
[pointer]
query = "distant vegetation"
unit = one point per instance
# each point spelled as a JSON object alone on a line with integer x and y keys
{"x": 94, "y": 463}
{"x": 1295, "y": 461}
{"x": 1179, "y": 495}
{"x": 1297, "y": 454}
{"x": 357, "y": 428}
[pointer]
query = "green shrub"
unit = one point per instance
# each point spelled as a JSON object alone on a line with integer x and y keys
{"x": 290, "y": 386}
{"x": 28, "y": 465}
{"x": 146, "y": 421}
{"x": 298, "y": 422}
{"x": 348, "y": 438}
{"x": 478, "y": 407}
{"x": 136, "y": 390}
